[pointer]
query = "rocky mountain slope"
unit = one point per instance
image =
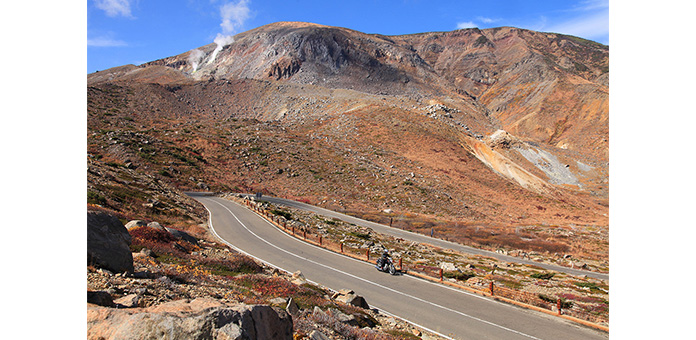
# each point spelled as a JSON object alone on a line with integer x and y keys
{"x": 492, "y": 129}
{"x": 148, "y": 281}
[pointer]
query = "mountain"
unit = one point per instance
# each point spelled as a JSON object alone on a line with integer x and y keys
{"x": 495, "y": 128}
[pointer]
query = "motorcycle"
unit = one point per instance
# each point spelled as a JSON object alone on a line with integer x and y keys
{"x": 386, "y": 266}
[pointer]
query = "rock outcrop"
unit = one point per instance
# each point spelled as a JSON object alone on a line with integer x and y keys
{"x": 202, "y": 318}
{"x": 108, "y": 243}
{"x": 349, "y": 297}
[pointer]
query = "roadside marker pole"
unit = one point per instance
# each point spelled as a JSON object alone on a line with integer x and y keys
{"x": 558, "y": 304}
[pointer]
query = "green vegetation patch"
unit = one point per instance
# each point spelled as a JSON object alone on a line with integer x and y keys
{"x": 285, "y": 214}
{"x": 542, "y": 276}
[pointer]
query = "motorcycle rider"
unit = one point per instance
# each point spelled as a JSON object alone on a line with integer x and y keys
{"x": 384, "y": 260}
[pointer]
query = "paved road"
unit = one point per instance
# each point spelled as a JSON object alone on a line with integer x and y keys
{"x": 410, "y": 236}
{"x": 436, "y": 307}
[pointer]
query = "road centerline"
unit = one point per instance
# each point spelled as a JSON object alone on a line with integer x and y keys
{"x": 371, "y": 282}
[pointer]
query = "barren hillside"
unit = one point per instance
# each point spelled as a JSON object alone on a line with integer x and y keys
{"x": 494, "y": 128}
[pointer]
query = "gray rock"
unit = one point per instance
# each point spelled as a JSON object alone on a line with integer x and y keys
{"x": 135, "y": 223}
{"x": 156, "y": 225}
{"x": 448, "y": 267}
{"x": 317, "y": 312}
{"x": 279, "y": 301}
{"x": 182, "y": 235}
{"x": 108, "y": 243}
{"x": 292, "y": 308}
{"x": 100, "y": 297}
{"x": 343, "y": 317}
{"x": 128, "y": 301}
{"x": 349, "y": 297}
{"x": 146, "y": 252}
{"x": 317, "y": 335}
{"x": 182, "y": 319}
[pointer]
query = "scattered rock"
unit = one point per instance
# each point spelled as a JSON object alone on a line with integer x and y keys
{"x": 317, "y": 335}
{"x": 292, "y": 308}
{"x": 204, "y": 318}
{"x": 182, "y": 235}
{"x": 135, "y": 223}
{"x": 108, "y": 242}
{"x": 343, "y": 317}
{"x": 502, "y": 139}
{"x": 448, "y": 267}
{"x": 298, "y": 278}
{"x": 147, "y": 252}
{"x": 128, "y": 301}
{"x": 317, "y": 312}
{"x": 279, "y": 301}
{"x": 101, "y": 298}
{"x": 349, "y": 297}
{"x": 156, "y": 225}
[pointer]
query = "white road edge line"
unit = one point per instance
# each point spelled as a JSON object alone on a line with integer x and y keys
{"x": 370, "y": 282}
{"x": 382, "y": 310}
{"x": 395, "y": 231}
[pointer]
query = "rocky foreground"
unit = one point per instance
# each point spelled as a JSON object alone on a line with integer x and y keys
{"x": 146, "y": 281}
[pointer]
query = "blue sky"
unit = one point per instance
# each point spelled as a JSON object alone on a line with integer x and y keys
{"x": 121, "y": 32}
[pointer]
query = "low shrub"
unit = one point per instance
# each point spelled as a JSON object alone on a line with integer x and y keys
{"x": 542, "y": 276}
{"x": 564, "y": 303}
{"x": 363, "y": 236}
{"x": 458, "y": 275}
{"x": 285, "y": 214}
{"x": 239, "y": 265}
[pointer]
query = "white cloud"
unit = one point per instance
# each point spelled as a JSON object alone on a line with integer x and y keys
{"x": 234, "y": 15}
{"x": 467, "y": 24}
{"x": 589, "y": 5}
{"x": 594, "y": 24}
{"x": 487, "y": 20}
{"x": 115, "y": 8}
{"x": 105, "y": 42}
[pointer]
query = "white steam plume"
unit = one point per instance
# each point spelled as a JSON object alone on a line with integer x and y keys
{"x": 221, "y": 41}
{"x": 195, "y": 58}
{"x": 233, "y": 17}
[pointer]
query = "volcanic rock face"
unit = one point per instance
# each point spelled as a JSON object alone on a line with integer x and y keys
{"x": 545, "y": 87}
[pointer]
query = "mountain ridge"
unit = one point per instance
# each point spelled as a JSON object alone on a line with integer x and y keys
{"x": 495, "y": 127}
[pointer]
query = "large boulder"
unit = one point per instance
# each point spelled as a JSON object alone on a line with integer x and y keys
{"x": 202, "y": 318}
{"x": 182, "y": 235}
{"x": 108, "y": 243}
{"x": 349, "y": 297}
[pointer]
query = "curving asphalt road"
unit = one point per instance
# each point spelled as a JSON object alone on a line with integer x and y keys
{"x": 438, "y": 308}
{"x": 410, "y": 236}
